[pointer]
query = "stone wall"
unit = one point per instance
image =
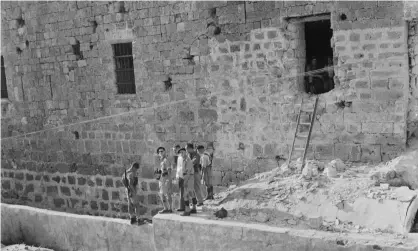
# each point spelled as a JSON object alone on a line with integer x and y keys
{"x": 237, "y": 89}
{"x": 77, "y": 193}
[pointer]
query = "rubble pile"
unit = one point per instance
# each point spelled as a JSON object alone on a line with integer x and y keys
{"x": 334, "y": 196}
{"x": 23, "y": 247}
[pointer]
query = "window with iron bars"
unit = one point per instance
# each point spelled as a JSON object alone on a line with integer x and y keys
{"x": 124, "y": 67}
{"x": 3, "y": 80}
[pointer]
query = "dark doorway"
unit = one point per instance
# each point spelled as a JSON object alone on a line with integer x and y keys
{"x": 414, "y": 228}
{"x": 3, "y": 80}
{"x": 319, "y": 57}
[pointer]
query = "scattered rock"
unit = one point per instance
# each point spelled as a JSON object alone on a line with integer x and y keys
{"x": 404, "y": 194}
{"x": 262, "y": 217}
{"x": 401, "y": 171}
{"x": 330, "y": 172}
{"x": 310, "y": 170}
{"x": 222, "y": 213}
{"x": 292, "y": 222}
{"x": 315, "y": 223}
{"x": 338, "y": 164}
{"x": 337, "y": 222}
{"x": 384, "y": 186}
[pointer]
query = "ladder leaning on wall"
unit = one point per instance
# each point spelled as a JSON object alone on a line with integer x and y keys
{"x": 308, "y": 136}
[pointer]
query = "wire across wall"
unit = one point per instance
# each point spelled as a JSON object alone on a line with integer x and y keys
{"x": 60, "y": 127}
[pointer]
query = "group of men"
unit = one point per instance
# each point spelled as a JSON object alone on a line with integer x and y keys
{"x": 188, "y": 167}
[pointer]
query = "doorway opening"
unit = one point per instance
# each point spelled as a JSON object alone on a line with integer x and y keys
{"x": 319, "y": 68}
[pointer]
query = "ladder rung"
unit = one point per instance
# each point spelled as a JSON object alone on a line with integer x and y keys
{"x": 307, "y": 111}
{"x": 305, "y": 123}
{"x": 299, "y": 149}
{"x": 302, "y": 136}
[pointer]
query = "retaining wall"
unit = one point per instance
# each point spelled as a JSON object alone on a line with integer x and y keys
{"x": 63, "y": 231}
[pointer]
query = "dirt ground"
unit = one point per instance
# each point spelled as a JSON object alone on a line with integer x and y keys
{"x": 284, "y": 196}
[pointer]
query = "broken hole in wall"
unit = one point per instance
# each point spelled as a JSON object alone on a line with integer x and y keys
{"x": 168, "y": 84}
{"x": 342, "y": 104}
{"x": 94, "y": 25}
{"x": 213, "y": 29}
{"x": 212, "y": 12}
{"x": 122, "y": 7}
{"x": 20, "y": 22}
{"x": 77, "y": 51}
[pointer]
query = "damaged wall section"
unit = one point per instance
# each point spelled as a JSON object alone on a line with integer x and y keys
{"x": 237, "y": 87}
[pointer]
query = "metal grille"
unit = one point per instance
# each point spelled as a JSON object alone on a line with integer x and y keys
{"x": 3, "y": 80}
{"x": 124, "y": 64}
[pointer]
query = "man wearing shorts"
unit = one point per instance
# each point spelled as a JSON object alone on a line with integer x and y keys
{"x": 165, "y": 181}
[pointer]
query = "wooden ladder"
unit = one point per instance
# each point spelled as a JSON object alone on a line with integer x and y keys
{"x": 308, "y": 137}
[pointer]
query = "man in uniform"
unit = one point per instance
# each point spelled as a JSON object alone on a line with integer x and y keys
{"x": 178, "y": 174}
{"x": 186, "y": 166}
{"x": 194, "y": 156}
{"x": 165, "y": 181}
{"x": 130, "y": 181}
{"x": 206, "y": 163}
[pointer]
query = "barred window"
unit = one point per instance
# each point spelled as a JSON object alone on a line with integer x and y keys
{"x": 124, "y": 65}
{"x": 3, "y": 80}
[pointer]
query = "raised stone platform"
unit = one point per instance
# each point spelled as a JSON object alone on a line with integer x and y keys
{"x": 63, "y": 231}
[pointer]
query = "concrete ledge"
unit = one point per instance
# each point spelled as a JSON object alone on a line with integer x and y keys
{"x": 64, "y": 231}
{"x": 174, "y": 232}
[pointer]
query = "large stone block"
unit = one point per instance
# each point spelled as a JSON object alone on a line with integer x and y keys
{"x": 371, "y": 153}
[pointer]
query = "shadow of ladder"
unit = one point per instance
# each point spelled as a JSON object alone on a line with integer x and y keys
{"x": 308, "y": 136}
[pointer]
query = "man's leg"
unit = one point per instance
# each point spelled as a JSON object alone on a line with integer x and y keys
{"x": 209, "y": 183}
{"x": 206, "y": 183}
{"x": 137, "y": 207}
{"x": 163, "y": 196}
{"x": 170, "y": 202}
{"x": 181, "y": 188}
{"x": 197, "y": 188}
{"x": 188, "y": 190}
{"x": 170, "y": 195}
{"x": 164, "y": 202}
{"x": 131, "y": 210}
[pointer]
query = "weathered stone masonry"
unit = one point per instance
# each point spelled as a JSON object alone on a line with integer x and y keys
{"x": 237, "y": 89}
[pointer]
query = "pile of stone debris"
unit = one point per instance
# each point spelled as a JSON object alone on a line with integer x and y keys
{"x": 23, "y": 247}
{"x": 336, "y": 196}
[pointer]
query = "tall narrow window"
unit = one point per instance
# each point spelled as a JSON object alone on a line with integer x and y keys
{"x": 3, "y": 80}
{"x": 124, "y": 65}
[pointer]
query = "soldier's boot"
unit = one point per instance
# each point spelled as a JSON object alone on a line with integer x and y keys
{"x": 141, "y": 222}
{"x": 208, "y": 197}
{"x": 187, "y": 210}
{"x": 211, "y": 193}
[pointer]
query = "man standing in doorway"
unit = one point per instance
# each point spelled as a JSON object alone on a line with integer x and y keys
{"x": 165, "y": 181}
{"x": 194, "y": 156}
{"x": 130, "y": 181}
{"x": 206, "y": 163}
